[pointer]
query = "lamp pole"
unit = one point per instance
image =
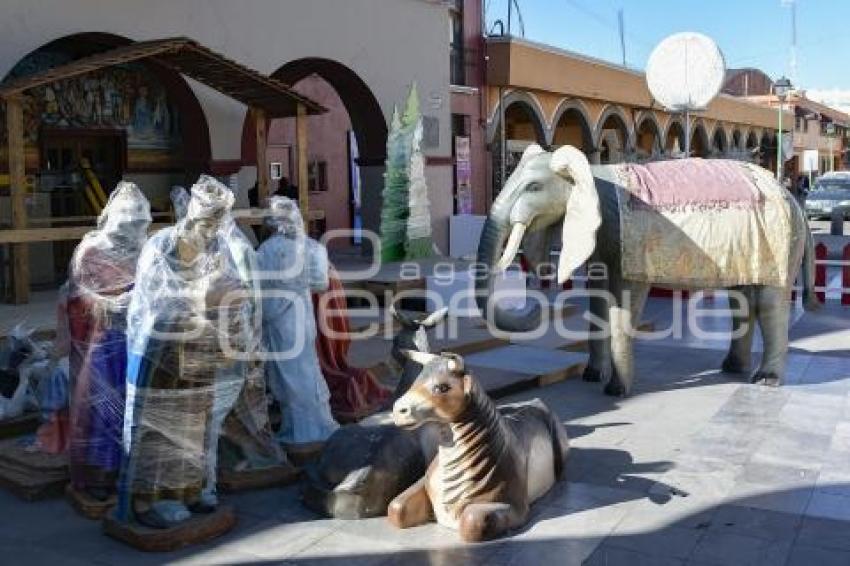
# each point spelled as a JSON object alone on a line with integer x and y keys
{"x": 781, "y": 87}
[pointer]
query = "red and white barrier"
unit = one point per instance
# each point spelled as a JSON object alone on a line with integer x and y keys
{"x": 845, "y": 276}
{"x": 820, "y": 271}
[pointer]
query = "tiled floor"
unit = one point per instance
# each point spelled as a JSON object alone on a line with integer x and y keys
{"x": 695, "y": 468}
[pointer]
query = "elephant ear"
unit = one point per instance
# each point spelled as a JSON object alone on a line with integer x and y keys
{"x": 532, "y": 150}
{"x": 582, "y": 218}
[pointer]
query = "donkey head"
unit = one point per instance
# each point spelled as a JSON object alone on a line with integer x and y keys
{"x": 440, "y": 393}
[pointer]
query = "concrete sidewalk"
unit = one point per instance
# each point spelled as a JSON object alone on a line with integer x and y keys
{"x": 696, "y": 467}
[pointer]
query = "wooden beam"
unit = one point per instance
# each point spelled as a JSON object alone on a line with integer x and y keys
{"x": 263, "y": 187}
{"x": 301, "y": 147}
{"x": 55, "y": 234}
{"x": 17, "y": 186}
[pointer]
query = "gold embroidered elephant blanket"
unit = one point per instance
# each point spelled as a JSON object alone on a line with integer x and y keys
{"x": 704, "y": 223}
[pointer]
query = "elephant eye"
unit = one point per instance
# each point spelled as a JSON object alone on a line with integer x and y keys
{"x": 534, "y": 187}
{"x": 442, "y": 388}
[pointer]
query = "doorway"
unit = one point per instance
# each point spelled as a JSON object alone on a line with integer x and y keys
{"x": 78, "y": 171}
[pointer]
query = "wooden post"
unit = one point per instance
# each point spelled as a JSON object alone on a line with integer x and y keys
{"x": 17, "y": 188}
{"x": 301, "y": 147}
{"x": 263, "y": 189}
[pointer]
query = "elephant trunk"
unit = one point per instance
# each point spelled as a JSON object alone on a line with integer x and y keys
{"x": 493, "y": 237}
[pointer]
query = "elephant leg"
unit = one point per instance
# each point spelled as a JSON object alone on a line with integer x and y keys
{"x": 485, "y": 521}
{"x": 599, "y": 367}
{"x": 411, "y": 507}
{"x": 772, "y": 311}
{"x": 742, "y": 305}
{"x": 624, "y": 317}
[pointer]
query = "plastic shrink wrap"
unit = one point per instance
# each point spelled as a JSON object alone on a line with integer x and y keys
{"x": 246, "y": 437}
{"x": 101, "y": 276}
{"x": 189, "y": 328}
{"x": 293, "y": 266}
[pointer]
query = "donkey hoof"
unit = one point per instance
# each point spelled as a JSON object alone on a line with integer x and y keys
{"x": 734, "y": 365}
{"x": 766, "y": 378}
{"x": 591, "y": 374}
{"x": 615, "y": 389}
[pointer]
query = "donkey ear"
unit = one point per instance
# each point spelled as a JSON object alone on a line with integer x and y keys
{"x": 582, "y": 217}
{"x": 435, "y": 318}
{"x": 420, "y": 358}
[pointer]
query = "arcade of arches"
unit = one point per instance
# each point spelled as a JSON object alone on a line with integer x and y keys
{"x": 609, "y": 133}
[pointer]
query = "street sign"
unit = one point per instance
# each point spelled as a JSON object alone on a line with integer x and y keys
{"x": 811, "y": 160}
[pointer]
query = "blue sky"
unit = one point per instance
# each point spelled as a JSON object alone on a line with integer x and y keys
{"x": 751, "y": 33}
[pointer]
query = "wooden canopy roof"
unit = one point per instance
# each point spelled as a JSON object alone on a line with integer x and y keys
{"x": 188, "y": 57}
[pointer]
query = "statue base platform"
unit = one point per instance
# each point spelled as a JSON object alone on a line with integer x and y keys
{"x": 199, "y": 528}
{"x": 88, "y": 506}
{"x": 231, "y": 481}
{"x": 303, "y": 453}
{"x": 32, "y": 475}
{"x": 19, "y": 426}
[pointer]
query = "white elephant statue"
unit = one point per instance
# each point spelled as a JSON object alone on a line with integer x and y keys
{"x": 688, "y": 224}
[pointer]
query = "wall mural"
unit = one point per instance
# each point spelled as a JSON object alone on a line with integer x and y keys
{"x": 126, "y": 96}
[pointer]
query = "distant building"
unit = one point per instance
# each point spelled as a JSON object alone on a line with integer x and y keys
{"x": 554, "y": 97}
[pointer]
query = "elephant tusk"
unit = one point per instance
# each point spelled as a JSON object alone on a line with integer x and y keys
{"x": 511, "y": 249}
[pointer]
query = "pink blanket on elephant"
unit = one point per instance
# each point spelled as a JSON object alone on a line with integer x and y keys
{"x": 704, "y": 224}
{"x": 691, "y": 184}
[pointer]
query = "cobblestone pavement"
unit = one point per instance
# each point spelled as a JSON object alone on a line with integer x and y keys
{"x": 696, "y": 467}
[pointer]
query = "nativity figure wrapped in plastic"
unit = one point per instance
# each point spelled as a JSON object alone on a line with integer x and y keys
{"x": 294, "y": 266}
{"x": 101, "y": 276}
{"x": 189, "y": 336}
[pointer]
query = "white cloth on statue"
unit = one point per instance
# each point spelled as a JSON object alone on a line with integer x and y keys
{"x": 294, "y": 266}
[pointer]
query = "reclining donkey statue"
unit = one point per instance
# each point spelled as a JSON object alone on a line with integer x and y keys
{"x": 499, "y": 460}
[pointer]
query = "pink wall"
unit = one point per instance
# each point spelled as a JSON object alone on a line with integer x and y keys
{"x": 326, "y": 141}
{"x": 469, "y": 102}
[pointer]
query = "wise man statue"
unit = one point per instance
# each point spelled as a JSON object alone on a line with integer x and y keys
{"x": 294, "y": 266}
{"x": 100, "y": 279}
{"x": 246, "y": 442}
{"x": 189, "y": 321}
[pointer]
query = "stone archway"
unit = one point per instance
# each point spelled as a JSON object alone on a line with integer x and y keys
{"x": 139, "y": 122}
{"x": 648, "y": 137}
{"x": 737, "y": 140}
{"x": 524, "y": 125}
{"x": 614, "y": 138}
{"x": 674, "y": 138}
{"x": 751, "y": 147}
{"x": 719, "y": 141}
{"x": 571, "y": 126}
{"x": 104, "y": 100}
{"x": 767, "y": 149}
{"x": 700, "y": 145}
{"x": 346, "y": 147}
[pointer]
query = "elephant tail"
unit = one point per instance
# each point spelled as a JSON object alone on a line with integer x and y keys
{"x": 810, "y": 297}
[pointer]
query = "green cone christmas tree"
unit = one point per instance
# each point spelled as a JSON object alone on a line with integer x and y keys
{"x": 405, "y": 216}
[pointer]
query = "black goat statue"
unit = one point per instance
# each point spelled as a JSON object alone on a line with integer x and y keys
{"x": 363, "y": 466}
{"x": 412, "y": 336}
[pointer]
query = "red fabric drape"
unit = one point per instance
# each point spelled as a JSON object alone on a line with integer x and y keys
{"x": 355, "y": 392}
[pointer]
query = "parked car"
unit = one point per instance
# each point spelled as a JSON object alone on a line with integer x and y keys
{"x": 829, "y": 192}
